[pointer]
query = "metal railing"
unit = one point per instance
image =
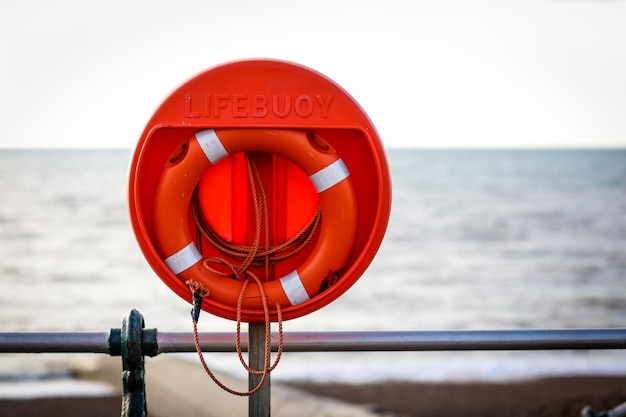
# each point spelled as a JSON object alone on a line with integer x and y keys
{"x": 133, "y": 342}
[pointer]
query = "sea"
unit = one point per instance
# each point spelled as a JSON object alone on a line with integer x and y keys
{"x": 478, "y": 239}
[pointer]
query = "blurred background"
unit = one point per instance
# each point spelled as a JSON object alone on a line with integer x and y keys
{"x": 453, "y": 73}
{"x": 503, "y": 123}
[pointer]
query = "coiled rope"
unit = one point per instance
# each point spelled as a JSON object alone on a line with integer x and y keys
{"x": 245, "y": 256}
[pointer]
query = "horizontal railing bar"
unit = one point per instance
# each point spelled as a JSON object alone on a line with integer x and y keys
{"x": 54, "y": 342}
{"x": 442, "y": 340}
{"x": 452, "y": 340}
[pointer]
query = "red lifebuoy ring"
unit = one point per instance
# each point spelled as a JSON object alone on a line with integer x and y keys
{"x": 315, "y": 157}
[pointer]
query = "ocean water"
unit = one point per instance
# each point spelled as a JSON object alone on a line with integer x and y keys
{"x": 478, "y": 239}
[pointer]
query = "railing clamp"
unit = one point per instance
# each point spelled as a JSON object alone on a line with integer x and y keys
{"x": 132, "y": 342}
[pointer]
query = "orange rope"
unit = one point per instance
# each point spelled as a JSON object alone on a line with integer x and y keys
{"x": 267, "y": 329}
{"x": 254, "y": 255}
{"x": 197, "y": 288}
{"x": 257, "y": 254}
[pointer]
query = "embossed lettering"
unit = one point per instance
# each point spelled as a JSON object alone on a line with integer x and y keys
{"x": 286, "y": 108}
{"x": 221, "y": 102}
{"x": 240, "y": 105}
{"x": 188, "y": 111}
{"x": 325, "y": 103}
{"x": 306, "y": 109}
{"x": 257, "y": 105}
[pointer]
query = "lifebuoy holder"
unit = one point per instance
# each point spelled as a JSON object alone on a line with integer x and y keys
{"x": 339, "y": 152}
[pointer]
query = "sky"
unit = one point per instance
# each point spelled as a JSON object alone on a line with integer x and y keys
{"x": 445, "y": 73}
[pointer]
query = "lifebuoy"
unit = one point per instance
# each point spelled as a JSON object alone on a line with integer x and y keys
{"x": 314, "y": 156}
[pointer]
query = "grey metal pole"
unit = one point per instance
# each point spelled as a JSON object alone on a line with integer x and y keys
{"x": 54, "y": 342}
{"x": 98, "y": 342}
{"x": 443, "y": 340}
{"x": 258, "y": 403}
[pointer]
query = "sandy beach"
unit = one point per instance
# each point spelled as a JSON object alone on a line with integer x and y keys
{"x": 551, "y": 397}
{"x": 564, "y": 396}
{"x": 61, "y": 407}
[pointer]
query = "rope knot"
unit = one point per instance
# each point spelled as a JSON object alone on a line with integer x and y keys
{"x": 198, "y": 292}
{"x": 197, "y": 288}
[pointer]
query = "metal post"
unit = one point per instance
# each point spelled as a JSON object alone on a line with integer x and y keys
{"x": 259, "y": 402}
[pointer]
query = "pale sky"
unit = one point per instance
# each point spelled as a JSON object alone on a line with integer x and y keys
{"x": 449, "y": 73}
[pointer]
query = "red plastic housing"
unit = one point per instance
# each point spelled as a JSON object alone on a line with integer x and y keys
{"x": 263, "y": 94}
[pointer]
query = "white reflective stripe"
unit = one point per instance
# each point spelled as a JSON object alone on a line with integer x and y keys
{"x": 327, "y": 177}
{"x": 211, "y": 145}
{"x": 294, "y": 289}
{"x": 183, "y": 259}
